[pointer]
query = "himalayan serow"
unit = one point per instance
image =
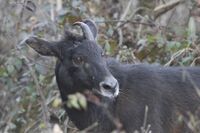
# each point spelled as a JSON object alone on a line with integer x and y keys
{"x": 123, "y": 90}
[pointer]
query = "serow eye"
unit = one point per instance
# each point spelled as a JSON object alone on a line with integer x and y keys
{"x": 77, "y": 61}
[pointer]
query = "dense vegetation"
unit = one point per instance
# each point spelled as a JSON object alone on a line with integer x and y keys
{"x": 151, "y": 31}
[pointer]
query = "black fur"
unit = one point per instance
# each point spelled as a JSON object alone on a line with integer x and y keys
{"x": 165, "y": 90}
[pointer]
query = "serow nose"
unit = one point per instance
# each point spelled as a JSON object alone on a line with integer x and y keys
{"x": 109, "y": 87}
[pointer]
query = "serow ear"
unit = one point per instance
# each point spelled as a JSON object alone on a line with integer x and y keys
{"x": 93, "y": 27}
{"x": 41, "y": 46}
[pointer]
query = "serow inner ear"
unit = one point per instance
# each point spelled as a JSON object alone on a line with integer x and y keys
{"x": 41, "y": 46}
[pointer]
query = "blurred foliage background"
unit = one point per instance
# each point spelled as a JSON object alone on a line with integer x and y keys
{"x": 165, "y": 32}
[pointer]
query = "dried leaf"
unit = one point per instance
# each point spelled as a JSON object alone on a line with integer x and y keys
{"x": 56, "y": 129}
{"x": 56, "y": 102}
{"x": 30, "y": 6}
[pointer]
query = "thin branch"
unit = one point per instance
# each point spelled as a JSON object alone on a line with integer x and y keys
{"x": 110, "y": 116}
{"x": 89, "y": 128}
{"x": 126, "y": 21}
{"x": 7, "y": 124}
{"x": 145, "y": 128}
{"x": 197, "y": 89}
{"x": 161, "y": 9}
{"x": 140, "y": 29}
{"x": 52, "y": 11}
{"x": 38, "y": 89}
{"x": 194, "y": 61}
{"x": 171, "y": 16}
{"x": 131, "y": 16}
{"x": 123, "y": 16}
{"x": 31, "y": 126}
{"x": 177, "y": 54}
{"x": 120, "y": 37}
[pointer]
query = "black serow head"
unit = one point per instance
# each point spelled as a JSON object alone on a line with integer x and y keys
{"x": 81, "y": 65}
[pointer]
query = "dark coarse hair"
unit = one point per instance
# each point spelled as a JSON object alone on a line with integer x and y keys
{"x": 125, "y": 89}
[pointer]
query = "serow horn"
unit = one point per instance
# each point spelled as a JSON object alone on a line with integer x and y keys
{"x": 93, "y": 27}
{"x": 87, "y": 33}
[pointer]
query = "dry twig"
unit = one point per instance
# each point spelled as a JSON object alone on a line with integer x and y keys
{"x": 161, "y": 9}
{"x": 177, "y": 54}
{"x": 38, "y": 89}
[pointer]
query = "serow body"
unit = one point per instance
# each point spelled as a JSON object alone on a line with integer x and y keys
{"x": 124, "y": 91}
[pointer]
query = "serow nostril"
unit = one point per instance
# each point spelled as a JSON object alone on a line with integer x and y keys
{"x": 109, "y": 87}
{"x": 106, "y": 87}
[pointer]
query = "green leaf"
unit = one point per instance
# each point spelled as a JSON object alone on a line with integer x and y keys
{"x": 42, "y": 125}
{"x": 3, "y": 72}
{"x": 10, "y": 69}
{"x": 82, "y": 101}
{"x": 77, "y": 101}
{"x": 18, "y": 63}
{"x": 187, "y": 60}
{"x": 29, "y": 89}
{"x": 73, "y": 101}
{"x": 151, "y": 39}
{"x": 12, "y": 125}
{"x": 41, "y": 78}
